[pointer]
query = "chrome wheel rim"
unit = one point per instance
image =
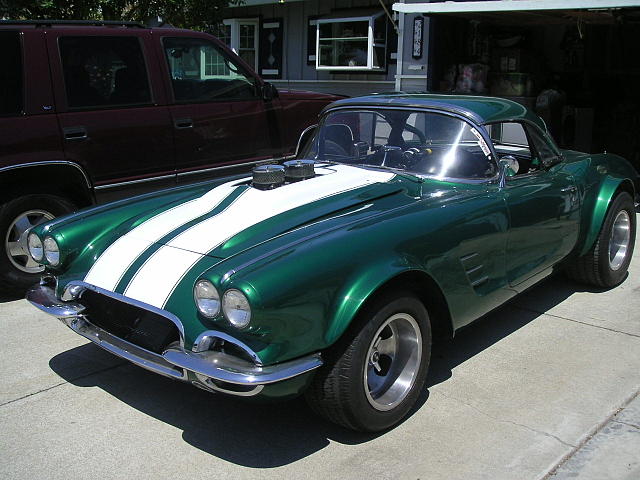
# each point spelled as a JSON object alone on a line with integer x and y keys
{"x": 15, "y": 243}
{"x": 619, "y": 240}
{"x": 393, "y": 361}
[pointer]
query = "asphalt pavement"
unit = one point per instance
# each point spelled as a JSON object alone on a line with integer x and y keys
{"x": 546, "y": 387}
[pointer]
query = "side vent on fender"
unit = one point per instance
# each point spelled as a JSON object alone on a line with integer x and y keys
{"x": 474, "y": 270}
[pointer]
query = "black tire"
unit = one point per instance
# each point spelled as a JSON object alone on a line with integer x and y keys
{"x": 339, "y": 392}
{"x": 596, "y": 267}
{"x": 14, "y": 280}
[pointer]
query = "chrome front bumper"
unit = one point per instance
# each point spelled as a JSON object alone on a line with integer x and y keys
{"x": 213, "y": 370}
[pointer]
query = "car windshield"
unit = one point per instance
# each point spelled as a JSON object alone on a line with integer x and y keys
{"x": 416, "y": 142}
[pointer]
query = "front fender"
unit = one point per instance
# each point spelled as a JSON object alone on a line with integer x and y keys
{"x": 601, "y": 199}
{"x": 355, "y": 291}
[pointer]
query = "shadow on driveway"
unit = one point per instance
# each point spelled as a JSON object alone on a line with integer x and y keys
{"x": 6, "y": 297}
{"x": 515, "y": 314}
{"x": 263, "y": 435}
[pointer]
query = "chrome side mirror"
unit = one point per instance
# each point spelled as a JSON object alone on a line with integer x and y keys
{"x": 508, "y": 166}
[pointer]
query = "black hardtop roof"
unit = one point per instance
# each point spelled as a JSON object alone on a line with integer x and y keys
{"x": 477, "y": 108}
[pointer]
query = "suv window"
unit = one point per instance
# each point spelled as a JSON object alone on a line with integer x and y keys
{"x": 10, "y": 74}
{"x": 104, "y": 71}
{"x": 200, "y": 72}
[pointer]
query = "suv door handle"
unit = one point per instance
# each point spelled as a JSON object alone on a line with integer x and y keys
{"x": 75, "y": 133}
{"x": 182, "y": 123}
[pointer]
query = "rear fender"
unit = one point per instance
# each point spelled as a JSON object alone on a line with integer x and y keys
{"x": 608, "y": 189}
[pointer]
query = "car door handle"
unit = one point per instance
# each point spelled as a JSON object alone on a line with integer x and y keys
{"x": 182, "y": 123}
{"x": 75, "y": 133}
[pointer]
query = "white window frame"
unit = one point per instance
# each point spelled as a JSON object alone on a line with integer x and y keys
{"x": 235, "y": 36}
{"x": 370, "y": 43}
{"x": 203, "y": 63}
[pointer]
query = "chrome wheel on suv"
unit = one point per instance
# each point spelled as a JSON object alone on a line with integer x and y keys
{"x": 18, "y": 271}
{"x": 16, "y": 239}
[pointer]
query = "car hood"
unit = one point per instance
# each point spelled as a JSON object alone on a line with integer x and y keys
{"x": 232, "y": 218}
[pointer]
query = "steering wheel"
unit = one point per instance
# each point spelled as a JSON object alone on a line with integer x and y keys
{"x": 416, "y": 131}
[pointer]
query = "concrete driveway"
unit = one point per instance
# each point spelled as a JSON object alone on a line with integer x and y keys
{"x": 546, "y": 386}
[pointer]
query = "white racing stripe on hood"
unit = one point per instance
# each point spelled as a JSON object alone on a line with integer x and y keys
{"x": 156, "y": 279}
{"x": 107, "y": 271}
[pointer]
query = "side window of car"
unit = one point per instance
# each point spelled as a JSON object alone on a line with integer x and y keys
{"x": 10, "y": 74}
{"x": 104, "y": 72}
{"x": 201, "y": 72}
{"x": 544, "y": 154}
{"x": 511, "y": 138}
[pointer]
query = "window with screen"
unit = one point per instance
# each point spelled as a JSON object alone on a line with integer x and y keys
{"x": 354, "y": 43}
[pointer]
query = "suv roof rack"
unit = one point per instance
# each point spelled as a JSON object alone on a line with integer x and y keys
{"x": 95, "y": 23}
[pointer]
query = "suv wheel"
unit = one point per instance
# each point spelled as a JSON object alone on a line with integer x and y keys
{"x": 17, "y": 270}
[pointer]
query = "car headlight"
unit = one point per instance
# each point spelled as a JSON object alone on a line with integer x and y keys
{"x": 207, "y": 298}
{"x": 236, "y": 308}
{"x": 36, "y": 250}
{"x": 51, "y": 251}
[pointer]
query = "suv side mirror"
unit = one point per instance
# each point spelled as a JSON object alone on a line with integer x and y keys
{"x": 269, "y": 92}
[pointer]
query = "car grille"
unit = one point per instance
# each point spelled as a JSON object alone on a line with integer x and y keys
{"x": 134, "y": 324}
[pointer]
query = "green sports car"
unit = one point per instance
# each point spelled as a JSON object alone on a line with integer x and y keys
{"x": 402, "y": 216}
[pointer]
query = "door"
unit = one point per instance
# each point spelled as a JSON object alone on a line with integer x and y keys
{"x": 218, "y": 114}
{"x": 28, "y": 126}
{"x": 112, "y": 119}
{"x": 542, "y": 200}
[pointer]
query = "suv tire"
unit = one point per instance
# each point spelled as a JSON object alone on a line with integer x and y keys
{"x": 17, "y": 271}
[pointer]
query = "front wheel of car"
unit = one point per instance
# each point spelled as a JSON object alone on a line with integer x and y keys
{"x": 375, "y": 373}
{"x": 606, "y": 263}
{"x": 18, "y": 271}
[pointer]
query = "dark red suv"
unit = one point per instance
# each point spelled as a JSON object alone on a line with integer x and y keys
{"x": 91, "y": 112}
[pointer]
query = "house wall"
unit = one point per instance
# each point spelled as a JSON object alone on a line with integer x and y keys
{"x": 297, "y": 73}
{"x": 414, "y": 72}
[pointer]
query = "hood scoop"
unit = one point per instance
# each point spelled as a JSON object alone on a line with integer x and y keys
{"x": 268, "y": 177}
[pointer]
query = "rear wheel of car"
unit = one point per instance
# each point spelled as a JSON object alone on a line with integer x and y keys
{"x": 375, "y": 373}
{"x": 606, "y": 264}
{"x": 17, "y": 270}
